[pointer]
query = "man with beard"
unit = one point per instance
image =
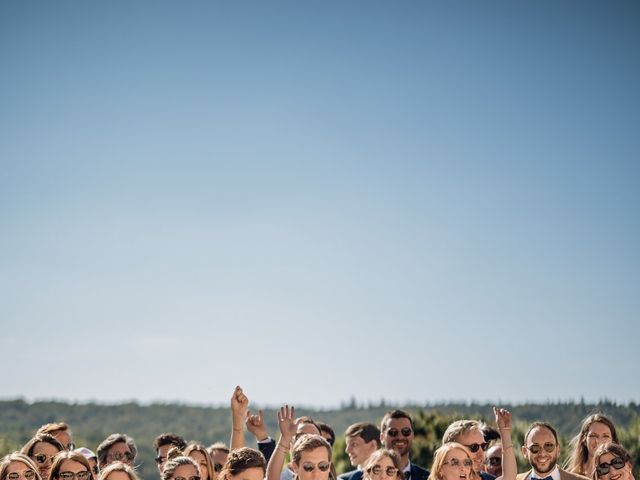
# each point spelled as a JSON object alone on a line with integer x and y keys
{"x": 396, "y": 433}
{"x": 541, "y": 449}
{"x": 470, "y": 434}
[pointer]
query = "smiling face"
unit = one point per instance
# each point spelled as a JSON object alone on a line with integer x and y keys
{"x": 401, "y": 443}
{"x": 456, "y": 466}
{"x": 623, "y": 474}
{"x": 542, "y": 440}
{"x": 597, "y": 434}
{"x": 469, "y": 438}
{"x": 308, "y": 468}
{"x": 359, "y": 450}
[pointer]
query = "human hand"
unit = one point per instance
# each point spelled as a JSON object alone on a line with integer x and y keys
{"x": 255, "y": 424}
{"x": 239, "y": 403}
{"x": 503, "y": 418}
{"x": 288, "y": 426}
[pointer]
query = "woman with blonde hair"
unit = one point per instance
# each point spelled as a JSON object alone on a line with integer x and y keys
{"x": 383, "y": 464}
{"x": 118, "y": 471}
{"x": 612, "y": 461}
{"x": 199, "y": 454}
{"x": 595, "y": 430}
{"x": 17, "y": 466}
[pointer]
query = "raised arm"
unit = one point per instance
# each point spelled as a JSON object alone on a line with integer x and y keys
{"x": 288, "y": 427}
{"x": 239, "y": 404}
{"x": 509, "y": 466}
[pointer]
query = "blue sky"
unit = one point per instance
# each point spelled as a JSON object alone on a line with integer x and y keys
{"x": 416, "y": 201}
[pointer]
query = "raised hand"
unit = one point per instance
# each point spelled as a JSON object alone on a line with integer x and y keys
{"x": 239, "y": 403}
{"x": 503, "y": 418}
{"x": 255, "y": 424}
{"x": 288, "y": 426}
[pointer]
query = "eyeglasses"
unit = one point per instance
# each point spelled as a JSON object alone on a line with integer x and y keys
{"x": 128, "y": 456}
{"x": 217, "y": 467}
{"x": 548, "y": 447}
{"x": 454, "y": 462}
{"x": 474, "y": 447}
{"x": 389, "y": 471}
{"x": 85, "y": 475}
{"x": 494, "y": 461}
{"x": 42, "y": 458}
{"x": 393, "y": 432}
{"x": 310, "y": 467}
{"x": 160, "y": 459}
{"x": 27, "y": 475}
{"x": 603, "y": 468}
{"x": 195, "y": 477}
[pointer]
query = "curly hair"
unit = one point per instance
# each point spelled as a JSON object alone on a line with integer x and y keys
{"x": 242, "y": 459}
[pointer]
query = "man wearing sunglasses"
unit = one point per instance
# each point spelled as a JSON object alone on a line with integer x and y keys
{"x": 541, "y": 449}
{"x": 470, "y": 434}
{"x": 362, "y": 440}
{"x": 396, "y": 433}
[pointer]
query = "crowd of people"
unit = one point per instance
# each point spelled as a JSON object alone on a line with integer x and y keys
{"x": 469, "y": 451}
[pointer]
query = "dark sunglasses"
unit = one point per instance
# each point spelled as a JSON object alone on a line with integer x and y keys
{"x": 41, "y": 458}
{"x": 393, "y": 432}
{"x": 474, "y": 447}
{"x": 454, "y": 462}
{"x": 71, "y": 475}
{"x": 603, "y": 468}
{"x": 494, "y": 461}
{"x": 28, "y": 474}
{"x": 217, "y": 467}
{"x": 310, "y": 467}
{"x": 389, "y": 471}
{"x": 548, "y": 447}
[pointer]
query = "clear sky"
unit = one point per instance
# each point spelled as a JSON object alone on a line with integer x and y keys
{"x": 411, "y": 200}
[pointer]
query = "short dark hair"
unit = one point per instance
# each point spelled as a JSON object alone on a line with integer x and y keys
{"x": 541, "y": 425}
{"x": 327, "y": 429}
{"x": 110, "y": 441}
{"x": 169, "y": 439}
{"x": 394, "y": 414}
{"x": 366, "y": 431}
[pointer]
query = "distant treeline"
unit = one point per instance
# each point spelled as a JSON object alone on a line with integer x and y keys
{"x": 91, "y": 423}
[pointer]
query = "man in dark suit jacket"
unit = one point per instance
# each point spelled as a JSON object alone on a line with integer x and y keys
{"x": 362, "y": 440}
{"x": 396, "y": 433}
{"x": 541, "y": 449}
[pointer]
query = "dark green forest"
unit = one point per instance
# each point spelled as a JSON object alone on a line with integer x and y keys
{"x": 91, "y": 423}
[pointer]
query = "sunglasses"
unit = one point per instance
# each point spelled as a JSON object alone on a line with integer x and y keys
{"x": 393, "y": 432}
{"x": 120, "y": 456}
{"x": 454, "y": 462}
{"x": 217, "y": 467}
{"x": 71, "y": 475}
{"x": 41, "y": 458}
{"x": 389, "y": 471}
{"x": 474, "y": 447}
{"x": 603, "y": 468}
{"x": 27, "y": 474}
{"x": 310, "y": 467}
{"x": 548, "y": 447}
{"x": 195, "y": 477}
{"x": 494, "y": 461}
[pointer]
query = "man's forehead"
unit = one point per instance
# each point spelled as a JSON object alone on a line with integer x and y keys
{"x": 472, "y": 436}
{"x": 541, "y": 435}
{"x": 398, "y": 422}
